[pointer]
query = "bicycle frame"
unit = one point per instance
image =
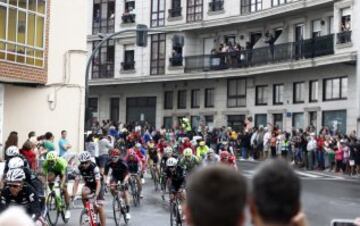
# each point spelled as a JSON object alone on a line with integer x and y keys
{"x": 89, "y": 207}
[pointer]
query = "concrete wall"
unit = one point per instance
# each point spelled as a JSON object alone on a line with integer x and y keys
{"x": 60, "y": 103}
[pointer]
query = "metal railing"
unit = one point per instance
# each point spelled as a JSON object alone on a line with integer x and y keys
{"x": 176, "y": 61}
{"x": 175, "y": 12}
{"x": 344, "y": 37}
{"x": 128, "y": 18}
{"x": 216, "y": 5}
{"x": 105, "y": 70}
{"x": 271, "y": 54}
{"x": 130, "y": 65}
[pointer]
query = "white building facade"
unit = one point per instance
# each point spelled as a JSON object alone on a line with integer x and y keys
{"x": 42, "y": 68}
{"x": 282, "y": 62}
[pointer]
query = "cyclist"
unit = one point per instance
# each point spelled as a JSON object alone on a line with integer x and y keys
{"x": 141, "y": 153}
{"x": 211, "y": 158}
{"x": 189, "y": 161}
{"x": 53, "y": 167}
{"x": 93, "y": 184}
{"x": 12, "y": 152}
{"x": 119, "y": 173}
{"x": 154, "y": 157}
{"x": 227, "y": 159}
{"x": 168, "y": 153}
{"x": 176, "y": 178}
{"x": 17, "y": 192}
{"x": 201, "y": 150}
{"x": 134, "y": 165}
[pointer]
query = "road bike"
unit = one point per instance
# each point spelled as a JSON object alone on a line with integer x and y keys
{"x": 155, "y": 175}
{"x": 163, "y": 184}
{"x": 88, "y": 216}
{"x": 55, "y": 205}
{"x": 119, "y": 207}
{"x": 176, "y": 216}
{"x": 134, "y": 189}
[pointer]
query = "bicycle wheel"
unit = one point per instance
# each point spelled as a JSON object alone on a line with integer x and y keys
{"x": 52, "y": 209}
{"x": 156, "y": 181}
{"x": 117, "y": 211}
{"x": 84, "y": 218}
{"x": 172, "y": 214}
{"x": 63, "y": 210}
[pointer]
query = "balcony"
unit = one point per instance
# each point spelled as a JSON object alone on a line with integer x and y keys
{"x": 286, "y": 52}
{"x": 128, "y": 18}
{"x": 127, "y": 66}
{"x": 105, "y": 70}
{"x": 216, "y": 5}
{"x": 344, "y": 37}
{"x": 176, "y": 61}
{"x": 175, "y": 12}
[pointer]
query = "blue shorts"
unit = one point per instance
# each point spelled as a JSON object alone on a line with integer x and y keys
{"x": 103, "y": 159}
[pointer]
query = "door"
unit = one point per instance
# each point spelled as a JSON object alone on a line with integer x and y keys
{"x": 114, "y": 109}
{"x": 278, "y": 121}
{"x": 236, "y": 122}
{"x": 299, "y": 37}
{"x": 141, "y": 110}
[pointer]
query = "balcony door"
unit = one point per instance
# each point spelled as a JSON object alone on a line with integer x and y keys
{"x": 299, "y": 37}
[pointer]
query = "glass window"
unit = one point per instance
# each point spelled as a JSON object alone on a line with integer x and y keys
{"x": 158, "y": 49}
{"x": 209, "y": 97}
{"x": 103, "y": 61}
{"x": 278, "y": 2}
{"x": 260, "y": 120}
{"x": 194, "y": 10}
{"x": 298, "y": 120}
{"x": 181, "y": 99}
{"x": 195, "y": 122}
{"x": 299, "y": 92}
{"x": 236, "y": 93}
{"x": 236, "y": 122}
{"x": 261, "y": 95}
{"x": 335, "y": 88}
{"x": 278, "y": 94}
{"x": 249, "y": 6}
{"x": 168, "y": 99}
{"x": 278, "y": 121}
{"x": 168, "y": 122}
{"x": 103, "y": 16}
{"x": 314, "y": 91}
{"x": 157, "y": 13}
{"x": 195, "y": 98}
{"x": 335, "y": 121}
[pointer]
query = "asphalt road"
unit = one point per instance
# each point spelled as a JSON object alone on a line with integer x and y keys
{"x": 324, "y": 197}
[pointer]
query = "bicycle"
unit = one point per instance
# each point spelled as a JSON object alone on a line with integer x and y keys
{"x": 155, "y": 175}
{"x": 175, "y": 211}
{"x": 163, "y": 184}
{"x": 119, "y": 207}
{"x": 55, "y": 205}
{"x": 89, "y": 216}
{"x": 134, "y": 189}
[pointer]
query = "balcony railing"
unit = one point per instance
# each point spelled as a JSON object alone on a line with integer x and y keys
{"x": 126, "y": 66}
{"x": 128, "y": 18}
{"x": 216, "y": 5}
{"x": 305, "y": 49}
{"x": 344, "y": 37}
{"x": 103, "y": 26}
{"x": 175, "y": 12}
{"x": 105, "y": 70}
{"x": 176, "y": 61}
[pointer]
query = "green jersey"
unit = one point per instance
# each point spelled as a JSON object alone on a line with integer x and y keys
{"x": 59, "y": 168}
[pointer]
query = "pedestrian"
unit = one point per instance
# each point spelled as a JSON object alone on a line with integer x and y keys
{"x": 12, "y": 140}
{"x": 320, "y": 152}
{"x": 90, "y": 146}
{"x": 104, "y": 148}
{"x": 273, "y": 141}
{"x": 64, "y": 144}
{"x": 339, "y": 157}
{"x": 267, "y": 143}
{"x": 285, "y": 145}
{"x": 311, "y": 148}
{"x": 28, "y": 151}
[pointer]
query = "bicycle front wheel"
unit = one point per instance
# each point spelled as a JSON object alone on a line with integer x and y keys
{"x": 84, "y": 218}
{"x": 117, "y": 211}
{"x": 52, "y": 209}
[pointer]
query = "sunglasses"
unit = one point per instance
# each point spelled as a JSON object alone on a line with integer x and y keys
{"x": 14, "y": 185}
{"x": 84, "y": 163}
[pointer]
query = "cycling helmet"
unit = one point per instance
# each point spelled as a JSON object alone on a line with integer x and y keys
{"x": 188, "y": 152}
{"x": 16, "y": 162}
{"x": 15, "y": 175}
{"x": 84, "y": 156}
{"x": 171, "y": 162}
{"x": 51, "y": 156}
{"x": 168, "y": 150}
{"x": 202, "y": 143}
{"x": 115, "y": 153}
{"x": 211, "y": 151}
{"x": 138, "y": 145}
{"x": 131, "y": 152}
{"x": 232, "y": 159}
{"x": 151, "y": 145}
{"x": 224, "y": 155}
{"x": 12, "y": 151}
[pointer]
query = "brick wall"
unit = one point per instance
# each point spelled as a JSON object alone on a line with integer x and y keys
{"x": 28, "y": 73}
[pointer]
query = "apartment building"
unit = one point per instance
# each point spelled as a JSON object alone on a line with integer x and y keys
{"x": 42, "y": 68}
{"x": 290, "y": 63}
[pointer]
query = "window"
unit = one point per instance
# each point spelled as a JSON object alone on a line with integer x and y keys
{"x": 177, "y": 50}
{"x": 216, "y": 5}
{"x": 236, "y": 122}
{"x": 314, "y": 91}
{"x": 335, "y": 88}
{"x": 158, "y": 54}
{"x": 209, "y": 120}
{"x": 278, "y": 94}
{"x": 22, "y": 32}
{"x": 168, "y": 122}
{"x": 316, "y": 28}
{"x": 278, "y": 2}
{"x": 195, "y": 98}
{"x": 168, "y": 100}
{"x": 114, "y": 109}
{"x": 209, "y": 97}
{"x": 249, "y": 6}
{"x": 103, "y": 61}
{"x": 129, "y": 5}
{"x": 129, "y": 12}
{"x": 278, "y": 121}
{"x": 175, "y": 10}
{"x": 195, "y": 122}
{"x": 298, "y": 120}
{"x": 335, "y": 121}
{"x": 157, "y": 13}
{"x": 129, "y": 55}
{"x": 93, "y": 104}
{"x": 103, "y": 16}
{"x": 313, "y": 119}
{"x": 260, "y": 120}
{"x": 194, "y": 10}
{"x": 261, "y": 95}
{"x": 345, "y": 19}
{"x": 236, "y": 94}
{"x": 181, "y": 99}
{"x": 299, "y": 92}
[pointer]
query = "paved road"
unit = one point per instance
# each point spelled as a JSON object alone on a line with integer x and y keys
{"x": 324, "y": 197}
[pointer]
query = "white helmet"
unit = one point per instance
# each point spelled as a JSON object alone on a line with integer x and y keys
{"x": 168, "y": 150}
{"x": 15, "y": 175}
{"x": 12, "y": 151}
{"x": 16, "y": 162}
{"x": 171, "y": 162}
{"x": 84, "y": 156}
